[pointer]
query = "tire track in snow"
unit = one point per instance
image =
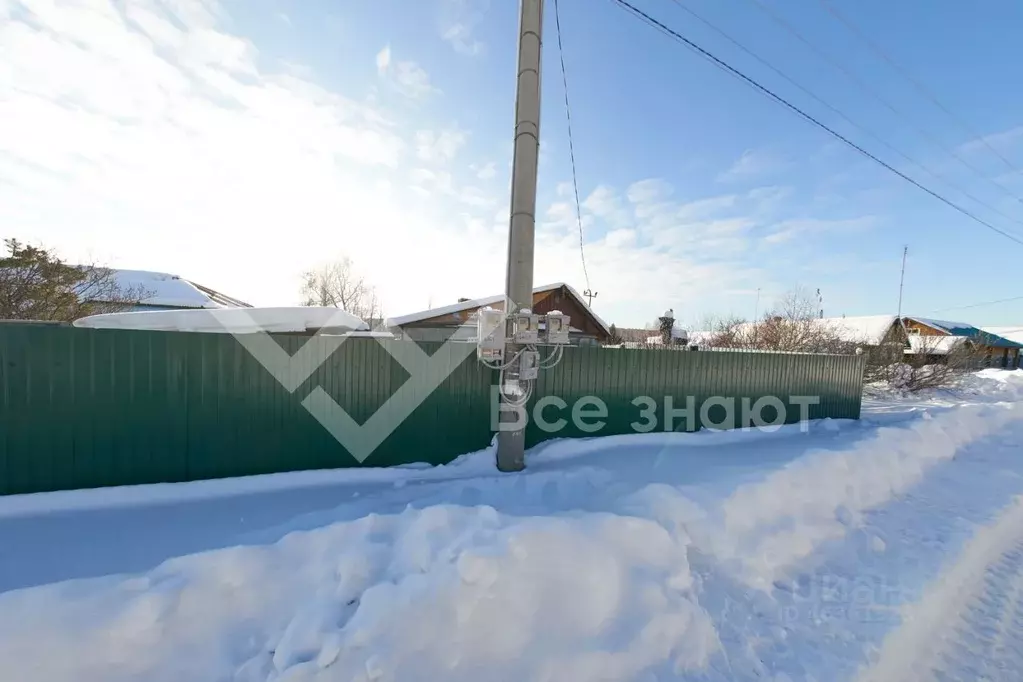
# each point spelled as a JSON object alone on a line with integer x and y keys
{"x": 969, "y": 623}
{"x": 769, "y": 526}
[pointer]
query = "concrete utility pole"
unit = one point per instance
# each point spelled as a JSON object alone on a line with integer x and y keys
{"x": 519, "y": 282}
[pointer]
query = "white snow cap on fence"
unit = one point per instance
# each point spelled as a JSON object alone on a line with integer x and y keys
{"x": 229, "y": 320}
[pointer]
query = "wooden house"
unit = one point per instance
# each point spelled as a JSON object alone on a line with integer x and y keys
{"x": 995, "y": 350}
{"x": 439, "y": 324}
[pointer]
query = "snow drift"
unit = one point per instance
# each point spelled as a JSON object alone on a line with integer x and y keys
{"x": 615, "y": 559}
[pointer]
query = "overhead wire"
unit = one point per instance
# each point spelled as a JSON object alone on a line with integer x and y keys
{"x": 920, "y": 87}
{"x": 571, "y": 144}
{"x": 781, "y": 21}
{"x": 693, "y": 13}
{"x": 649, "y": 20}
{"x": 979, "y": 305}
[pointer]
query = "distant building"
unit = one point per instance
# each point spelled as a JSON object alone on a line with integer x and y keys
{"x": 439, "y": 324}
{"x": 916, "y": 336}
{"x": 163, "y": 291}
{"x": 997, "y": 350}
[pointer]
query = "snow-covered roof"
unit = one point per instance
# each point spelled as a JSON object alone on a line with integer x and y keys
{"x": 701, "y": 337}
{"x": 402, "y": 320}
{"x": 963, "y": 329}
{"x": 949, "y": 327}
{"x": 164, "y": 289}
{"x": 1014, "y": 333}
{"x": 869, "y": 329}
{"x": 229, "y": 320}
{"x": 932, "y": 345}
{"x": 676, "y": 333}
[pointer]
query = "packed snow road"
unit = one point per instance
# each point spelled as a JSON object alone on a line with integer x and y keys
{"x": 886, "y": 549}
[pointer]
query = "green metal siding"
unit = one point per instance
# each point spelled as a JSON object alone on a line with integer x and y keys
{"x": 84, "y": 408}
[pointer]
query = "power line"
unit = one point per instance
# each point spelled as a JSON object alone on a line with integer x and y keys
{"x": 979, "y": 305}
{"x": 839, "y": 113}
{"x": 646, "y": 18}
{"x": 778, "y": 19}
{"x": 571, "y": 146}
{"x": 921, "y": 88}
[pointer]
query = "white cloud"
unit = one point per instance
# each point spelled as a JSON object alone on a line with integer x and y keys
{"x": 460, "y": 37}
{"x": 384, "y": 59}
{"x": 458, "y": 23}
{"x": 703, "y": 208}
{"x": 648, "y": 191}
{"x": 439, "y": 147}
{"x": 753, "y": 163}
{"x": 152, "y": 139}
{"x": 148, "y": 134}
{"x": 790, "y": 229}
{"x": 605, "y": 204}
{"x": 619, "y": 238}
{"x": 406, "y": 77}
{"x": 485, "y": 172}
{"x": 1002, "y": 142}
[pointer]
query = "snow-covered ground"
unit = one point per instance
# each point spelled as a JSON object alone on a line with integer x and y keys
{"x": 885, "y": 549}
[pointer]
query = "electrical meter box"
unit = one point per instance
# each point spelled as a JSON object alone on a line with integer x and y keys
{"x": 556, "y": 328}
{"x": 529, "y": 365}
{"x": 490, "y": 331}
{"x": 525, "y": 327}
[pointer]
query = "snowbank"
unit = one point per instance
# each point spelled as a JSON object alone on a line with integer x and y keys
{"x": 444, "y": 593}
{"x": 612, "y": 559}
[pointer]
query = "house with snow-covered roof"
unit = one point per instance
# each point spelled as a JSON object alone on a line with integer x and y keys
{"x": 997, "y": 350}
{"x": 440, "y": 324}
{"x": 164, "y": 291}
{"x": 1013, "y": 332}
{"x": 868, "y": 330}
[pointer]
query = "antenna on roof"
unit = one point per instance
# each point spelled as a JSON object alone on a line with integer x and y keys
{"x": 902, "y": 278}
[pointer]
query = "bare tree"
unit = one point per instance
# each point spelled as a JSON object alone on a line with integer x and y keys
{"x": 935, "y": 362}
{"x": 337, "y": 285}
{"x": 36, "y": 284}
{"x": 793, "y": 326}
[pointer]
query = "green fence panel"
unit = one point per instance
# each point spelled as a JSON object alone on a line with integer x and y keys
{"x": 82, "y": 408}
{"x": 640, "y": 390}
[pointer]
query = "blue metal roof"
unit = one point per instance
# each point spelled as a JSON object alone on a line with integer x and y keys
{"x": 968, "y": 330}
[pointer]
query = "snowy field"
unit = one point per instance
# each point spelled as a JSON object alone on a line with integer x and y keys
{"x": 889, "y": 549}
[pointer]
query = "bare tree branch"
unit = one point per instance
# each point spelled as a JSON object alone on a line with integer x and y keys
{"x": 337, "y": 285}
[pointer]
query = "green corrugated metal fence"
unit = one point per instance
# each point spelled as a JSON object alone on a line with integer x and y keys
{"x": 86, "y": 408}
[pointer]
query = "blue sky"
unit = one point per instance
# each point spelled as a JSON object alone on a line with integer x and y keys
{"x": 240, "y": 143}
